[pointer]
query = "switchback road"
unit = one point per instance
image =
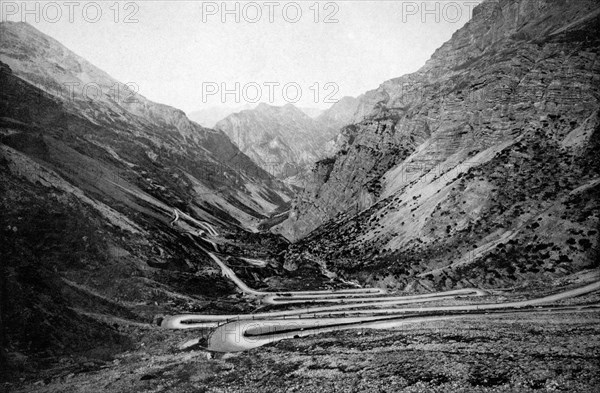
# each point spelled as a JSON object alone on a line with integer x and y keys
{"x": 355, "y": 308}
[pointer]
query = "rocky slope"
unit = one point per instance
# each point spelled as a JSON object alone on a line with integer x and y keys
{"x": 88, "y": 183}
{"x": 480, "y": 168}
{"x": 285, "y": 141}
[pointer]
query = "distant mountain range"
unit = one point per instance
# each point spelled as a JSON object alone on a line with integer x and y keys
{"x": 209, "y": 117}
{"x": 285, "y": 141}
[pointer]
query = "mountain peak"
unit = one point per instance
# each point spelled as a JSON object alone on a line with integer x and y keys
{"x": 278, "y": 137}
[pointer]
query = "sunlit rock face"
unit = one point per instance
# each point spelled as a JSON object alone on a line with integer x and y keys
{"x": 484, "y": 156}
{"x": 285, "y": 141}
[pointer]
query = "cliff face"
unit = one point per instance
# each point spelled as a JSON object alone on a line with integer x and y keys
{"x": 490, "y": 143}
{"x": 285, "y": 141}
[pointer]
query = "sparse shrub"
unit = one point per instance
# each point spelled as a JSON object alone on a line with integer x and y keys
{"x": 585, "y": 243}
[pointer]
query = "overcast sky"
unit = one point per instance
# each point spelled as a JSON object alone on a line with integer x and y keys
{"x": 177, "y": 50}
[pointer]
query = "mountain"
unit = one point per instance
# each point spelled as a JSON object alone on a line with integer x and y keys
{"x": 481, "y": 168}
{"x": 281, "y": 140}
{"x": 208, "y": 117}
{"x": 89, "y": 184}
{"x": 284, "y": 140}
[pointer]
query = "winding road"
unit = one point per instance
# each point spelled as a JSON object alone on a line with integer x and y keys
{"x": 355, "y": 308}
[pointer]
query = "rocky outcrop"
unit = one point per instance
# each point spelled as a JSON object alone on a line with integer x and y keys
{"x": 510, "y": 99}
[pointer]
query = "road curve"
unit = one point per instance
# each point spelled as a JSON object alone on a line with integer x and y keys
{"x": 255, "y": 262}
{"x": 244, "y": 335}
{"x": 192, "y": 321}
{"x": 204, "y": 225}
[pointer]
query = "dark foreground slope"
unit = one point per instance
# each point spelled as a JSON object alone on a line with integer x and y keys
{"x": 479, "y": 169}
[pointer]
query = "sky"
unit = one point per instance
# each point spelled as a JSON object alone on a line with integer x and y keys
{"x": 198, "y": 54}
